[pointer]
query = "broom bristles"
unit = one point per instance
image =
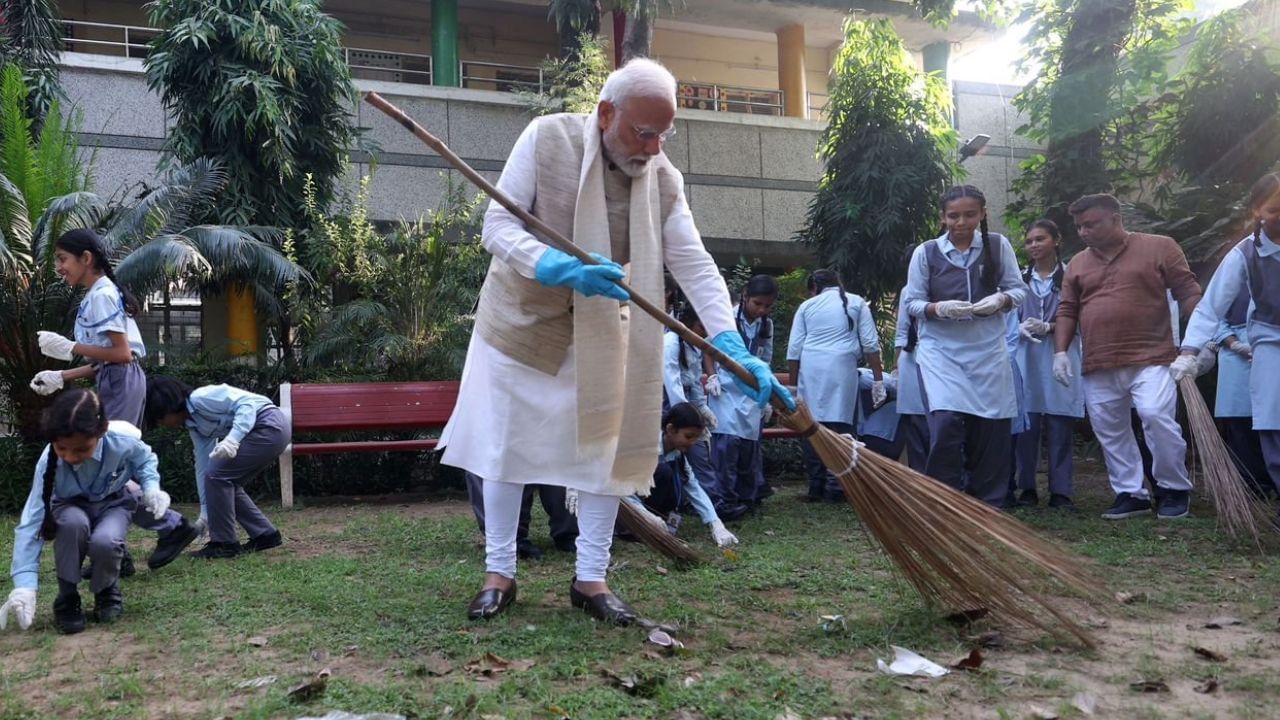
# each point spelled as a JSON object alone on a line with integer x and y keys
{"x": 955, "y": 550}
{"x": 655, "y": 538}
{"x": 1240, "y": 512}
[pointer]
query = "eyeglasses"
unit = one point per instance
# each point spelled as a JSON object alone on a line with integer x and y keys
{"x": 648, "y": 135}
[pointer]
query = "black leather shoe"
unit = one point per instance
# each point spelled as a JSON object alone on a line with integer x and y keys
{"x": 526, "y": 550}
{"x": 265, "y": 541}
{"x": 218, "y": 551}
{"x": 605, "y": 607}
{"x": 491, "y": 602}
{"x": 108, "y": 605}
{"x": 169, "y": 547}
{"x": 67, "y": 613}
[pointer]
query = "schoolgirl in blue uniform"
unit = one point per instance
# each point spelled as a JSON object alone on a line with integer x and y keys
{"x": 682, "y": 382}
{"x": 1254, "y": 263}
{"x": 79, "y": 501}
{"x": 107, "y": 336}
{"x": 1232, "y": 406}
{"x": 913, "y": 409}
{"x": 236, "y": 435}
{"x": 736, "y": 446}
{"x": 831, "y": 333}
{"x": 958, "y": 286}
{"x": 1052, "y": 408}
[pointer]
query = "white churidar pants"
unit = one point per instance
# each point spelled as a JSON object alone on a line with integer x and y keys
{"x": 596, "y": 516}
{"x": 1109, "y": 396}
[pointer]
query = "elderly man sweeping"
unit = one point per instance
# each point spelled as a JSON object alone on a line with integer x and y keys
{"x": 563, "y": 383}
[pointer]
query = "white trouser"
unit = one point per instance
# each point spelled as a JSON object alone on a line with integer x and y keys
{"x": 596, "y": 516}
{"x": 1109, "y": 396}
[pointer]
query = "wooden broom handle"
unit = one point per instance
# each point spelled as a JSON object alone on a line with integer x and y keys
{"x": 558, "y": 241}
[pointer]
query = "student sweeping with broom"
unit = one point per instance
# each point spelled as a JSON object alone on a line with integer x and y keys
{"x": 682, "y": 383}
{"x": 561, "y": 382}
{"x": 958, "y": 287}
{"x": 1253, "y": 265}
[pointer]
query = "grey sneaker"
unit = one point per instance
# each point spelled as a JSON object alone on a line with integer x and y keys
{"x": 1127, "y": 506}
{"x": 1174, "y": 504}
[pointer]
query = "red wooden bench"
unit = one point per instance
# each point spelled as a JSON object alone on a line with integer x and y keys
{"x": 346, "y": 407}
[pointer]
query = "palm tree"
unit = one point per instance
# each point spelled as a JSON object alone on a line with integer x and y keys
{"x": 31, "y": 38}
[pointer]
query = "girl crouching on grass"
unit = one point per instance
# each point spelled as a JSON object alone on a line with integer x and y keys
{"x": 79, "y": 501}
{"x": 236, "y": 435}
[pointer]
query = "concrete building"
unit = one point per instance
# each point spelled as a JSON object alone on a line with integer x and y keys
{"x": 753, "y": 81}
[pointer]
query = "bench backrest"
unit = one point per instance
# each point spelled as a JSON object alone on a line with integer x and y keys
{"x": 369, "y": 406}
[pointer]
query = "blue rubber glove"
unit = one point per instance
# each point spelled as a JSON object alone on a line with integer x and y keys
{"x": 730, "y": 343}
{"x": 560, "y": 269}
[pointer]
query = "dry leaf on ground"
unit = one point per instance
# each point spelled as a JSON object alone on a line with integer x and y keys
{"x": 1149, "y": 686}
{"x": 310, "y": 689}
{"x": 1207, "y": 687}
{"x": 1208, "y": 654}
{"x": 970, "y": 662}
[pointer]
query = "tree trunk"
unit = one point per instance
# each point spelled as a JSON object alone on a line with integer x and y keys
{"x": 639, "y": 36}
{"x": 1074, "y": 163}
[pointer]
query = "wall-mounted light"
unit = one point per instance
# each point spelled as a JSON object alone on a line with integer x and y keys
{"x": 974, "y": 146}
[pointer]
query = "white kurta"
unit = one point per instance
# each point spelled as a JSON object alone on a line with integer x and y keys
{"x": 515, "y": 424}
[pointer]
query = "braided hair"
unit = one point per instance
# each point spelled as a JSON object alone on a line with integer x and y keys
{"x": 990, "y": 266}
{"x": 1263, "y": 190}
{"x": 75, "y": 412}
{"x": 1050, "y": 227}
{"x": 683, "y": 415}
{"x": 82, "y": 240}
{"x": 687, "y": 317}
{"x": 820, "y": 280}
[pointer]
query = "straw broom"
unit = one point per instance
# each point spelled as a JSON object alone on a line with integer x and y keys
{"x": 957, "y": 552}
{"x": 655, "y": 537}
{"x": 1240, "y": 513}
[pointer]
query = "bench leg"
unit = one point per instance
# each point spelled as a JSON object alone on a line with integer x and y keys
{"x": 286, "y": 478}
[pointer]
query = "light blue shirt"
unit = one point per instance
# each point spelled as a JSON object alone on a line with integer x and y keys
{"x": 101, "y": 313}
{"x": 1042, "y": 394}
{"x": 119, "y": 458}
{"x": 965, "y": 363}
{"x": 1231, "y": 278}
{"x": 692, "y": 488}
{"x": 1232, "y": 400}
{"x": 911, "y": 400}
{"x": 218, "y": 412}
{"x": 828, "y": 351}
{"x": 683, "y": 384}
{"x": 736, "y": 414}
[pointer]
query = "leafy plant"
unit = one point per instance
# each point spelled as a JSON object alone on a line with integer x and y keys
{"x": 889, "y": 152}
{"x": 262, "y": 86}
{"x": 573, "y": 82}
{"x": 31, "y": 38}
{"x": 409, "y": 293}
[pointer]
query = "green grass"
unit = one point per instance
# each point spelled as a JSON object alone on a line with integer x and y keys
{"x": 376, "y": 594}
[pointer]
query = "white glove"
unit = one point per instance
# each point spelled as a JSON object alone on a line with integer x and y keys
{"x": 713, "y": 385}
{"x": 156, "y": 501}
{"x": 54, "y": 345}
{"x": 47, "y": 382}
{"x": 1032, "y": 329}
{"x": 1184, "y": 367}
{"x": 225, "y": 450}
{"x": 649, "y": 517}
{"x": 767, "y": 415}
{"x": 22, "y": 601}
{"x": 708, "y": 417}
{"x": 1062, "y": 368}
{"x": 990, "y": 305}
{"x": 1243, "y": 349}
{"x": 721, "y": 535}
{"x": 878, "y": 393}
{"x": 953, "y": 309}
{"x": 571, "y": 501}
{"x": 1206, "y": 359}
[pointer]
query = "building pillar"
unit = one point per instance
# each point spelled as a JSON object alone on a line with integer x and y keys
{"x": 242, "y": 323}
{"x": 791, "y": 75}
{"x": 444, "y": 42}
{"x": 937, "y": 58}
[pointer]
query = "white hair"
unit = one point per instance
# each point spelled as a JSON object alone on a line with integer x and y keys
{"x": 641, "y": 77}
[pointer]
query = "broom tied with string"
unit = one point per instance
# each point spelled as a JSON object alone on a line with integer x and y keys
{"x": 652, "y": 531}
{"x": 957, "y": 552}
{"x": 1241, "y": 514}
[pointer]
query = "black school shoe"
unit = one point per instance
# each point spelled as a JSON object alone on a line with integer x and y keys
{"x": 265, "y": 541}
{"x": 526, "y": 550}
{"x": 1061, "y": 502}
{"x": 127, "y": 568}
{"x": 218, "y": 551}
{"x": 1127, "y": 506}
{"x": 108, "y": 604}
{"x": 169, "y": 547}
{"x": 1174, "y": 504}
{"x": 67, "y": 613}
{"x": 1027, "y": 498}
